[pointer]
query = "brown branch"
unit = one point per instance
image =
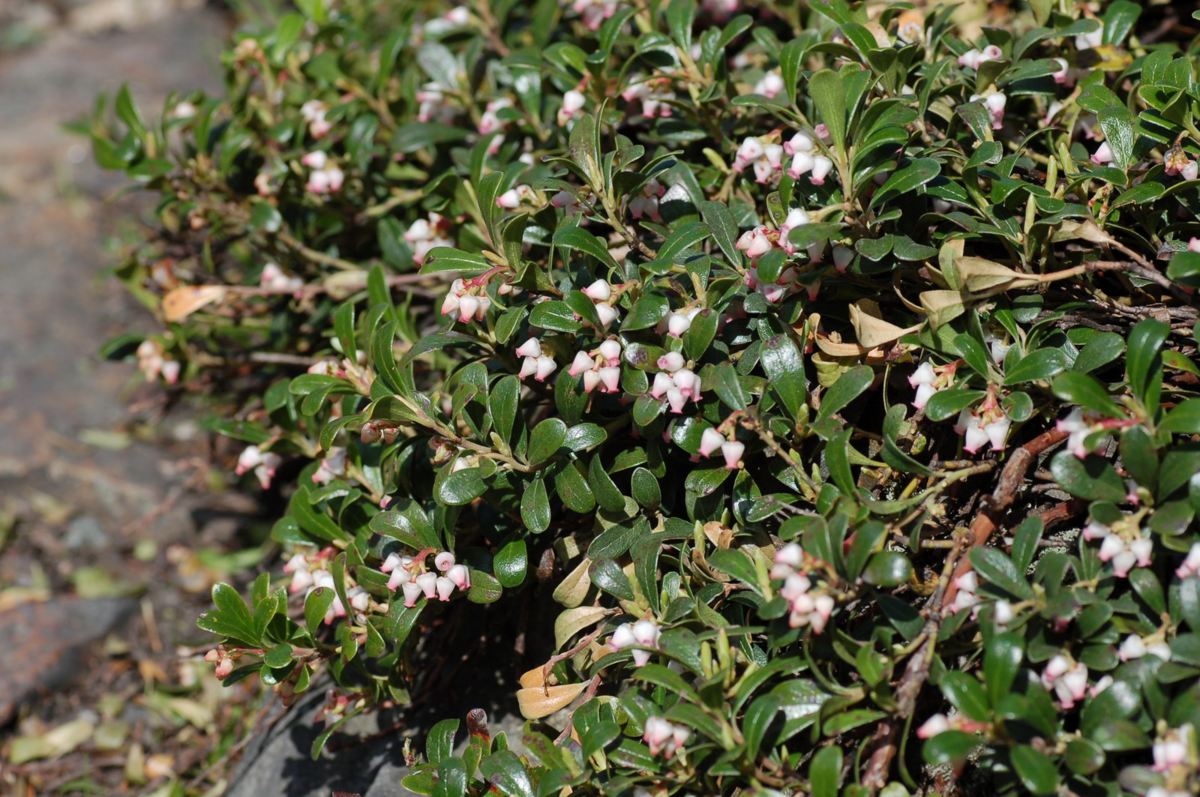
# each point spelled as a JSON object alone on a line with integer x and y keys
{"x": 884, "y": 742}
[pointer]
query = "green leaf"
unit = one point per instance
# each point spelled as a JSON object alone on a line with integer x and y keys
{"x": 848, "y": 387}
{"x": 511, "y": 562}
{"x": 724, "y": 229}
{"x": 1084, "y": 390}
{"x": 439, "y": 744}
{"x": 684, "y": 237}
{"x": 535, "y": 507}
{"x": 1143, "y": 363}
{"x": 888, "y": 569}
{"x": 1001, "y": 663}
{"x": 1037, "y": 365}
{"x": 503, "y": 402}
{"x": 757, "y": 720}
{"x": 445, "y": 258}
{"x": 461, "y": 487}
{"x": 949, "y": 746}
{"x": 1184, "y": 419}
{"x": 734, "y": 562}
{"x": 999, "y": 571}
{"x": 907, "y": 180}
{"x": 1035, "y": 769}
{"x": 1118, "y": 125}
{"x": 606, "y": 493}
{"x": 645, "y": 489}
{"x": 419, "y": 135}
{"x": 1091, "y": 478}
{"x": 829, "y": 96}
{"x": 546, "y": 439}
{"x": 789, "y": 67}
{"x": 1184, "y": 268}
{"x": 948, "y": 403}
{"x": 315, "y": 606}
{"x": 573, "y": 237}
{"x": 1084, "y": 756}
{"x": 606, "y": 574}
{"x": 965, "y": 693}
{"x": 825, "y": 772}
{"x": 232, "y": 617}
{"x": 554, "y": 315}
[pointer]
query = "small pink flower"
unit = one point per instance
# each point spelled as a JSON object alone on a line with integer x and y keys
{"x": 1102, "y": 155}
{"x": 732, "y": 450}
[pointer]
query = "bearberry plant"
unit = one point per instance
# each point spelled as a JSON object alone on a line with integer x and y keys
{"x": 833, "y": 366}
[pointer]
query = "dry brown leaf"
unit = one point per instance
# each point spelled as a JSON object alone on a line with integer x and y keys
{"x": 942, "y": 306}
{"x": 871, "y": 329}
{"x": 539, "y": 702}
{"x": 980, "y": 276}
{"x": 571, "y": 590}
{"x": 572, "y": 621}
{"x": 182, "y": 302}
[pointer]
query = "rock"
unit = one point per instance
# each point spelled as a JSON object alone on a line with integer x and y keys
{"x": 85, "y": 533}
{"x": 45, "y": 642}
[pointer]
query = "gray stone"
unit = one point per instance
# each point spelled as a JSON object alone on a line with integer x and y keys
{"x": 44, "y": 644}
{"x": 85, "y": 533}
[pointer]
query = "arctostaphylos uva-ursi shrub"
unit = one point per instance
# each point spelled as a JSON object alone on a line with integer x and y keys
{"x": 833, "y": 366}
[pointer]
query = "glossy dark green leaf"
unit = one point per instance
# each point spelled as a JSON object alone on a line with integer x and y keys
{"x": 1001, "y": 663}
{"x": 999, "y": 571}
{"x": 572, "y": 237}
{"x": 1035, "y": 769}
{"x": 1084, "y": 390}
{"x": 535, "y": 507}
{"x": 607, "y": 575}
{"x": 511, "y": 563}
{"x": 849, "y": 386}
{"x": 887, "y": 569}
{"x": 907, "y": 180}
{"x": 461, "y": 487}
{"x": 825, "y": 772}
{"x": 829, "y": 96}
{"x": 1183, "y": 419}
{"x": 1091, "y": 478}
{"x": 967, "y": 695}
{"x": 1084, "y": 756}
{"x": 1037, "y": 365}
{"x": 546, "y": 439}
{"x": 949, "y": 746}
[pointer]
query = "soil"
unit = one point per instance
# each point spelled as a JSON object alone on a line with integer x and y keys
{"x": 115, "y": 512}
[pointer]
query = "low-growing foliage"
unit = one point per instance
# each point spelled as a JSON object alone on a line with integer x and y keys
{"x": 795, "y": 344}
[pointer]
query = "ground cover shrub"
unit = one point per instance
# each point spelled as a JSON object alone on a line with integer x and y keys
{"x": 833, "y": 366}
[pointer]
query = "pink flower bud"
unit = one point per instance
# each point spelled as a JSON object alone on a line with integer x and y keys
{"x": 545, "y": 367}
{"x": 622, "y": 638}
{"x": 997, "y": 432}
{"x": 732, "y": 450}
{"x": 1132, "y": 648}
{"x": 1111, "y": 546}
{"x": 1102, "y": 155}
{"x": 530, "y": 348}
{"x": 671, "y": 361}
{"x": 662, "y": 383}
{"x": 991, "y": 53}
{"x": 821, "y": 168}
{"x": 461, "y": 576}
{"x": 677, "y": 400}
{"x": 401, "y": 577}
{"x": 428, "y": 583}
{"x": 581, "y": 363}
{"x": 841, "y": 258}
{"x": 1142, "y": 548}
{"x": 1123, "y": 562}
{"x": 610, "y": 350}
{"x": 774, "y": 155}
{"x": 677, "y": 324}
{"x": 607, "y": 314}
{"x": 611, "y": 377}
{"x": 591, "y": 381}
{"x": 529, "y": 367}
{"x": 710, "y": 441}
{"x": 315, "y": 160}
{"x": 445, "y": 588}
{"x": 598, "y": 291}
{"x": 467, "y": 307}
{"x": 750, "y": 151}
{"x": 1191, "y": 171}
{"x": 937, "y": 724}
{"x": 412, "y": 592}
{"x": 802, "y": 163}
{"x": 444, "y": 561}
{"x": 798, "y": 143}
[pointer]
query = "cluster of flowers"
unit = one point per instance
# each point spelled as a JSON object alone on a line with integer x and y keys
{"x": 654, "y": 93}
{"x": 966, "y": 598}
{"x": 601, "y": 368}
{"x": 664, "y": 737}
{"x": 642, "y": 634}
{"x": 1135, "y": 647}
{"x": 675, "y": 382}
{"x": 433, "y": 106}
{"x": 536, "y": 362}
{"x": 985, "y": 424}
{"x": 333, "y": 466}
{"x": 309, "y": 572}
{"x": 767, "y": 159}
{"x": 314, "y": 112}
{"x": 1080, "y": 427}
{"x": 1069, "y": 680}
{"x": 274, "y": 279}
{"x": 712, "y": 440}
{"x": 940, "y": 723}
{"x": 645, "y": 202}
{"x": 409, "y": 574}
{"x": 221, "y": 660}
{"x": 805, "y": 606}
{"x": 263, "y": 463}
{"x": 325, "y": 177}
{"x": 1124, "y": 554}
{"x": 424, "y": 235}
{"x": 152, "y": 363}
{"x": 1173, "y": 756}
